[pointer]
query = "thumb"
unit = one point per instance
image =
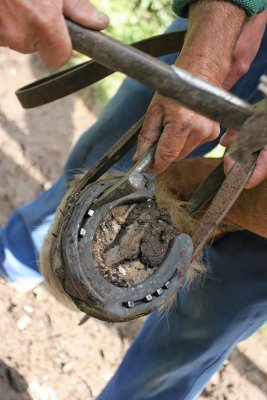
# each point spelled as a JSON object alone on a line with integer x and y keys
{"x": 226, "y": 140}
{"x": 229, "y": 137}
{"x": 84, "y": 13}
{"x": 228, "y": 163}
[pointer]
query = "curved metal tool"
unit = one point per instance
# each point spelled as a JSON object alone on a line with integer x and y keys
{"x": 170, "y": 81}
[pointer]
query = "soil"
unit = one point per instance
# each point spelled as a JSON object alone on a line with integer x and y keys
{"x": 44, "y": 354}
{"x": 131, "y": 242}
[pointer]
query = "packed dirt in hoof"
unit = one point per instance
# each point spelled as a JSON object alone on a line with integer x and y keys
{"x": 131, "y": 242}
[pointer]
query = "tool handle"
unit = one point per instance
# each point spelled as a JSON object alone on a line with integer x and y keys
{"x": 223, "y": 201}
{"x": 67, "y": 81}
{"x": 174, "y": 82}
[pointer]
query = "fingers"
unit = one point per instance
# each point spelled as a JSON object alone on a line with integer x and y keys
{"x": 229, "y": 137}
{"x": 246, "y": 49}
{"x": 178, "y": 131}
{"x": 84, "y": 13}
{"x": 260, "y": 171}
{"x": 172, "y": 140}
{"x": 54, "y": 48}
{"x": 54, "y": 45}
{"x": 192, "y": 143}
{"x": 226, "y": 140}
{"x": 29, "y": 25}
{"x": 228, "y": 163}
{"x": 151, "y": 129}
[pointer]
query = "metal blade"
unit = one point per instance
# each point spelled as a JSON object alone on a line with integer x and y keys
{"x": 130, "y": 182}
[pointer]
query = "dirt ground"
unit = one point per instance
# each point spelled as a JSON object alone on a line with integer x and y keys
{"x": 44, "y": 354}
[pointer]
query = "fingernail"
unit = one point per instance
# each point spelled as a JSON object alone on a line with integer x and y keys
{"x": 222, "y": 141}
{"x": 134, "y": 159}
{"x": 102, "y": 17}
{"x": 249, "y": 185}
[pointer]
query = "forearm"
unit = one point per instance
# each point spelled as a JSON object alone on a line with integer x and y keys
{"x": 252, "y": 7}
{"x": 214, "y": 28}
{"x": 208, "y": 52}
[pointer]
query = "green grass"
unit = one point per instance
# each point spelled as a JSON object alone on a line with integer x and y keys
{"x": 136, "y": 19}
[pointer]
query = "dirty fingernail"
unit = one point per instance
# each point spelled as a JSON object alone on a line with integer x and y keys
{"x": 228, "y": 137}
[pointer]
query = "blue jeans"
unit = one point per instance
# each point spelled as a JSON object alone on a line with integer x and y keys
{"x": 174, "y": 356}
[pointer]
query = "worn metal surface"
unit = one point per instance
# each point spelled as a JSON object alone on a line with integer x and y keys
{"x": 75, "y": 231}
{"x": 65, "y": 82}
{"x": 229, "y": 191}
{"x": 107, "y": 160}
{"x": 113, "y": 155}
{"x": 175, "y": 83}
{"x": 206, "y": 190}
{"x": 91, "y": 292}
{"x": 248, "y": 143}
{"x": 253, "y": 134}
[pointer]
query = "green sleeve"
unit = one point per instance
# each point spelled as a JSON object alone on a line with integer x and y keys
{"x": 252, "y": 7}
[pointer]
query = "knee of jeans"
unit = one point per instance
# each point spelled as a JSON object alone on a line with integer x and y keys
{"x": 224, "y": 313}
{"x": 216, "y": 304}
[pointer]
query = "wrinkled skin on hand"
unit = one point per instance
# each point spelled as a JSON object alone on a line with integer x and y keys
{"x": 219, "y": 49}
{"x": 38, "y": 25}
{"x": 178, "y": 129}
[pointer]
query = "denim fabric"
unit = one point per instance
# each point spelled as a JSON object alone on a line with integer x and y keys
{"x": 175, "y": 354}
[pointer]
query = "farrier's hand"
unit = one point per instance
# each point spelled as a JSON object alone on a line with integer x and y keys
{"x": 244, "y": 54}
{"x": 38, "y": 25}
{"x": 260, "y": 171}
{"x": 178, "y": 129}
{"x": 214, "y": 28}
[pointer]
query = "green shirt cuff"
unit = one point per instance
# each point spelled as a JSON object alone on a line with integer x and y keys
{"x": 252, "y": 7}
